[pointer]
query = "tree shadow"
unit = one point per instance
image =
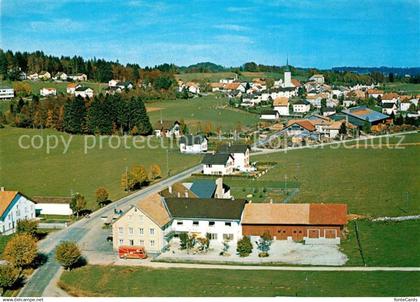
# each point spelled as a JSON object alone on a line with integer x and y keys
{"x": 40, "y": 260}
{"x": 80, "y": 263}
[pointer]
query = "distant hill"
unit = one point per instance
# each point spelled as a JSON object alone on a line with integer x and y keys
{"x": 412, "y": 71}
{"x": 204, "y": 67}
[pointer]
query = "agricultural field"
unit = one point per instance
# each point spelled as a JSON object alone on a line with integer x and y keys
{"x": 198, "y": 76}
{"x": 407, "y": 88}
{"x": 145, "y": 282}
{"x": 197, "y": 112}
{"x": 383, "y": 243}
{"x": 35, "y": 172}
{"x": 372, "y": 181}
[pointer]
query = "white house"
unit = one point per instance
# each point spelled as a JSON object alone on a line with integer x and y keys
{"x": 113, "y": 83}
{"x": 218, "y": 164}
{"x": 405, "y": 104}
{"x": 390, "y": 98}
{"x": 6, "y": 92}
{"x": 269, "y": 115}
{"x": 44, "y": 75}
{"x": 48, "y": 91}
{"x": 14, "y": 206}
{"x": 219, "y": 218}
{"x": 53, "y": 206}
{"x": 347, "y": 103}
{"x": 167, "y": 128}
{"x": 317, "y": 78}
{"x": 193, "y": 144}
{"x": 83, "y": 92}
{"x": 192, "y": 87}
{"x": 281, "y": 105}
{"x": 33, "y": 76}
{"x": 60, "y": 76}
{"x": 301, "y": 107}
{"x": 81, "y": 77}
{"x": 227, "y": 80}
{"x": 71, "y": 87}
{"x": 389, "y": 108}
{"x": 240, "y": 153}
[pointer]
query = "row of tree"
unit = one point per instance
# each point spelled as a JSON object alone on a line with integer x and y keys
{"x": 104, "y": 114}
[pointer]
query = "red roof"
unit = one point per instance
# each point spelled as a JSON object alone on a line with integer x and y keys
{"x": 331, "y": 214}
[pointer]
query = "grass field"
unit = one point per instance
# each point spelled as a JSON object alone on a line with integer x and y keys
{"x": 197, "y": 76}
{"x": 407, "y": 88}
{"x": 383, "y": 243}
{"x": 200, "y": 111}
{"x": 34, "y": 172}
{"x": 143, "y": 282}
{"x": 371, "y": 181}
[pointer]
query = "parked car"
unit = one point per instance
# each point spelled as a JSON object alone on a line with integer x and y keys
{"x": 132, "y": 252}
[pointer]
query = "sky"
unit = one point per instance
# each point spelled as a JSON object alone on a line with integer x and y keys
{"x": 310, "y": 33}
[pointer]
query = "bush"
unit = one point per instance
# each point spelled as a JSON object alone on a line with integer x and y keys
{"x": 68, "y": 254}
{"x": 8, "y": 276}
{"x": 264, "y": 243}
{"x": 244, "y": 247}
{"x": 29, "y": 226}
{"x": 21, "y": 250}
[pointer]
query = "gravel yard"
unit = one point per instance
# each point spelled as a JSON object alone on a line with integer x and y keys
{"x": 287, "y": 252}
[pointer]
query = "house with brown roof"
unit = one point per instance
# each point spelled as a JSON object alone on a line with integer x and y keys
{"x": 281, "y": 104}
{"x": 297, "y": 127}
{"x": 167, "y": 128}
{"x": 14, "y": 206}
{"x": 375, "y": 93}
{"x": 295, "y": 221}
{"x": 390, "y": 98}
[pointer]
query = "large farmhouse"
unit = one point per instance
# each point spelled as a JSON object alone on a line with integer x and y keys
{"x": 14, "y": 206}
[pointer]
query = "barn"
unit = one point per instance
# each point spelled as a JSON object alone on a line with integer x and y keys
{"x": 294, "y": 221}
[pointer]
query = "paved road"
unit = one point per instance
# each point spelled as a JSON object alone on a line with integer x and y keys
{"x": 81, "y": 232}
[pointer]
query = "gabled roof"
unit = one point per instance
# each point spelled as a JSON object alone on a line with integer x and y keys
{"x": 390, "y": 96}
{"x": 165, "y": 125}
{"x": 303, "y": 214}
{"x": 216, "y": 159}
{"x": 303, "y": 123}
{"x": 6, "y": 198}
{"x": 190, "y": 140}
{"x": 296, "y": 83}
{"x": 153, "y": 206}
{"x": 236, "y": 148}
{"x": 81, "y": 88}
{"x": 281, "y": 101}
{"x": 204, "y": 208}
{"x": 178, "y": 190}
{"x": 203, "y": 188}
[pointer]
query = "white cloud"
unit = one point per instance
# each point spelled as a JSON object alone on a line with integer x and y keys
{"x": 234, "y": 39}
{"x": 59, "y": 25}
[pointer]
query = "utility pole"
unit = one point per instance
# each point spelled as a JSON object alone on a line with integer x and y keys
{"x": 285, "y": 183}
{"x": 126, "y": 179}
{"x": 167, "y": 161}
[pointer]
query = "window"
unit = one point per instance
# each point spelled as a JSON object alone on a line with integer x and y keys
{"x": 131, "y": 242}
{"x": 121, "y": 242}
{"x": 213, "y": 236}
{"x": 179, "y": 223}
{"x": 211, "y": 223}
{"x": 227, "y": 236}
{"x": 152, "y": 231}
{"x": 294, "y": 232}
{"x": 141, "y": 242}
{"x": 152, "y": 243}
{"x": 130, "y": 231}
{"x": 195, "y": 223}
{"x": 121, "y": 230}
{"x": 228, "y": 224}
{"x": 141, "y": 231}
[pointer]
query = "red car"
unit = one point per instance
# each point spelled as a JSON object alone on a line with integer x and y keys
{"x": 132, "y": 252}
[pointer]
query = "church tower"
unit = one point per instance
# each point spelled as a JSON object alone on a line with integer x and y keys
{"x": 287, "y": 76}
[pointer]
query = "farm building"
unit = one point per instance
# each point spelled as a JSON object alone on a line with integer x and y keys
{"x": 52, "y": 205}
{"x": 360, "y": 115}
{"x": 295, "y": 221}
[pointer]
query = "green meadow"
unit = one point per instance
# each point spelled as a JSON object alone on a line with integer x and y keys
{"x": 105, "y": 281}
{"x": 59, "y": 173}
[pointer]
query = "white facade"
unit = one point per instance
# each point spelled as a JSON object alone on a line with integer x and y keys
{"x": 219, "y": 230}
{"x": 53, "y": 209}
{"x": 241, "y": 161}
{"x": 84, "y": 93}
{"x": 301, "y": 108}
{"x": 20, "y": 208}
{"x": 283, "y": 110}
{"x": 288, "y": 79}
{"x": 6, "y": 93}
{"x": 219, "y": 169}
{"x": 269, "y": 116}
{"x": 194, "y": 148}
{"x": 47, "y": 91}
{"x": 113, "y": 83}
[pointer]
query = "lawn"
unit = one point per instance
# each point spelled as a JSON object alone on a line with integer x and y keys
{"x": 35, "y": 172}
{"x": 198, "y": 111}
{"x": 144, "y": 282}
{"x": 383, "y": 243}
{"x": 4, "y": 239}
{"x": 374, "y": 182}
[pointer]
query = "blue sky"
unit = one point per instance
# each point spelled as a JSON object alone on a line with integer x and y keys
{"x": 311, "y": 33}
